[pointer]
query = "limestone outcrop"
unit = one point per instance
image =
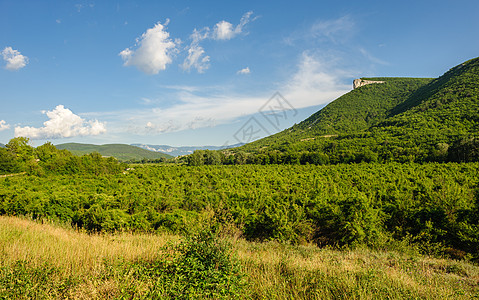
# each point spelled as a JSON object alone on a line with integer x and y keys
{"x": 361, "y": 82}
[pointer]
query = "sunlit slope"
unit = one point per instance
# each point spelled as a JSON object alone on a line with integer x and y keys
{"x": 401, "y": 119}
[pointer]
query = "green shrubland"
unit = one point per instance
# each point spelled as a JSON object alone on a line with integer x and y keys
{"x": 431, "y": 206}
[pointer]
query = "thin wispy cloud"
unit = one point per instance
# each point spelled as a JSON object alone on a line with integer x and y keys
{"x": 196, "y": 54}
{"x": 336, "y": 30}
{"x": 372, "y": 58}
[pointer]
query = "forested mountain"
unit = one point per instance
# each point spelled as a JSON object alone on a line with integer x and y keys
{"x": 121, "y": 152}
{"x": 402, "y": 119}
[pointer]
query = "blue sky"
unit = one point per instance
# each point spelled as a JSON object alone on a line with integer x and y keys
{"x": 202, "y": 72}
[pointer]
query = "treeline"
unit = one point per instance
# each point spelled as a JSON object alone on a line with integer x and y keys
{"x": 18, "y": 156}
{"x": 351, "y": 149}
{"x": 434, "y": 207}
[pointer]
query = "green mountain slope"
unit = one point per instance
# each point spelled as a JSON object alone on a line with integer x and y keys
{"x": 120, "y": 151}
{"x": 363, "y": 107}
{"x": 402, "y": 119}
{"x": 448, "y": 109}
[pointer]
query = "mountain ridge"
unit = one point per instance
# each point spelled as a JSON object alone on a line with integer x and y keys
{"x": 402, "y": 119}
{"x": 121, "y": 152}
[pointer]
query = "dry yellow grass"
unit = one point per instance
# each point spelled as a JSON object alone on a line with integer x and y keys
{"x": 23, "y": 239}
{"x": 75, "y": 253}
{"x": 273, "y": 270}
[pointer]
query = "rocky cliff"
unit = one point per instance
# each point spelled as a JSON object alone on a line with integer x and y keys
{"x": 360, "y": 82}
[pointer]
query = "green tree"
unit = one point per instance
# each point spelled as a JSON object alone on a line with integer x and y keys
{"x": 8, "y": 162}
{"x": 20, "y": 147}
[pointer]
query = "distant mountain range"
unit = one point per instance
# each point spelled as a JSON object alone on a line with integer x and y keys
{"x": 178, "y": 151}
{"x": 121, "y": 152}
{"x": 2, "y": 145}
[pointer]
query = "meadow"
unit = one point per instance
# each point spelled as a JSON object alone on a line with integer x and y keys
{"x": 51, "y": 261}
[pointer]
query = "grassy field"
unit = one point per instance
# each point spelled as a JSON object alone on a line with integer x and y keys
{"x": 51, "y": 261}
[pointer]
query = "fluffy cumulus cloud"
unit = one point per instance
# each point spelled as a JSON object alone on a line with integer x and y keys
{"x": 62, "y": 123}
{"x": 152, "y": 51}
{"x": 14, "y": 59}
{"x": 225, "y": 30}
{"x": 244, "y": 71}
{"x": 3, "y": 125}
{"x": 197, "y": 57}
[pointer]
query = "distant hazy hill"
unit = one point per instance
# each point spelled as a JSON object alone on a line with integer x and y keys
{"x": 2, "y": 145}
{"x": 120, "y": 151}
{"x": 178, "y": 151}
{"x": 402, "y": 119}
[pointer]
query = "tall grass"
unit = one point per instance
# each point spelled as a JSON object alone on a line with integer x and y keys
{"x": 50, "y": 261}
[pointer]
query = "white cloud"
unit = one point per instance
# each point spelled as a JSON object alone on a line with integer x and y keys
{"x": 316, "y": 80}
{"x": 225, "y": 31}
{"x": 62, "y": 123}
{"x": 197, "y": 57}
{"x": 4, "y": 125}
{"x": 244, "y": 71}
{"x": 15, "y": 60}
{"x": 154, "y": 50}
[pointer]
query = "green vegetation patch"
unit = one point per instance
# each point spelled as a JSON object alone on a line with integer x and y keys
{"x": 121, "y": 152}
{"x": 432, "y": 206}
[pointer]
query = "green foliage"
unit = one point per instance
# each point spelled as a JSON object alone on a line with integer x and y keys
{"x": 8, "y": 162}
{"x": 47, "y": 159}
{"x": 205, "y": 268}
{"x": 432, "y": 205}
{"x": 25, "y": 281}
{"x": 200, "y": 267}
{"x": 20, "y": 148}
{"x": 205, "y": 157}
{"x": 121, "y": 152}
